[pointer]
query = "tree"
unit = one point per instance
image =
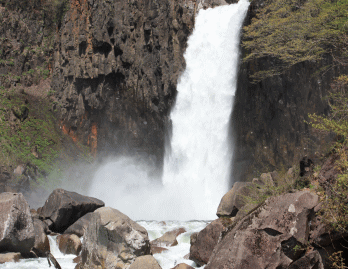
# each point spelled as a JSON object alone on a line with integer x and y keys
{"x": 294, "y": 31}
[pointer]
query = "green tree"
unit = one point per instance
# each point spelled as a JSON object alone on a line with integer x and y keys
{"x": 293, "y": 31}
{"x": 335, "y": 206}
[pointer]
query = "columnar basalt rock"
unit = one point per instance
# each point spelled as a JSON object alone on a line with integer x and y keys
{"x": 116, "y": 68}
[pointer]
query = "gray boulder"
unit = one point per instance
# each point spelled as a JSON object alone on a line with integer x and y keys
{"x": 63, "y": 208}
{"x": 113, "y": 240}
{"x": 16, "y": 224}
{"x": 168, "y": 239}
{"x": 233, "y": 200}
{"x": 203, "y": 243}
{"x": 183, "y": 266}
{"x": 80, "y": 226}
{"x": 69, "y": 244}
{"x": 145, "y": 262}
{"x": 311, "y": 260}
{"x": 10, "y": 257}
{"x": 267, "y": 238}
{"x": 41, "y": 244}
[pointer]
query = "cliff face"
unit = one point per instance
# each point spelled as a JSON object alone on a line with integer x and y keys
{"x": 269, "y": 117}
{"x": 116, "y": 70}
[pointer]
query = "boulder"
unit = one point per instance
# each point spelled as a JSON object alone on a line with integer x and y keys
{"x": 69, "y": 244}
{"x": 41, "y": 244}
{"x": 113, "y": 240}
{"x": 311, "y": 260}
{"x": 145, "y": 262}
{"x": 10, "y": 257}
{"x": 168, "y": 239}
{"x": 80, "y": 226}
{"x": 16, "y": 224}
{"x": 156, "y": 250}
{"x": 272, "y": 236}
{"x": 63, "y": 208}
{"x": 183, "y": 266}
{"x": 203, "y": 243}
{"x": 233, "y": 200}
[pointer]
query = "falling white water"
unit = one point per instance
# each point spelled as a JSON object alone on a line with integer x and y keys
{"x": 197, "y": 165}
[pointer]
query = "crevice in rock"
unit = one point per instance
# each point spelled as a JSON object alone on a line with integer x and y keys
{"x": 147, "y": 35}
{"x": 105, "y": 49}
{"x": 272, "y": 232}
{"x": 82, "y": 48}
{"x": 110, "y": 30}
{"x": 117, "y": 51}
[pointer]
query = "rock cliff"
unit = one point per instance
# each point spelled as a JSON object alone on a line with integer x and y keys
{"x": 116, "y": 68}
{"x": 269, "y": 117}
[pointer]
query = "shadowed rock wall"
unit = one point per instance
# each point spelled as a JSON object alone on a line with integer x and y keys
{"x": 268, "y": 122}
{"x": 116, "y": 69}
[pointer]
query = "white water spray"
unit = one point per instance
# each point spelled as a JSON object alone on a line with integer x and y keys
{"x": 196, "y": 168}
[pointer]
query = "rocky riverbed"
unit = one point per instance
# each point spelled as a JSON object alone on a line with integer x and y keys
{"x": 283, "y": 231}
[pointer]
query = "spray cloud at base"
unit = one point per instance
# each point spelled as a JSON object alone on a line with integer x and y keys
{"x": 197, "y": 164}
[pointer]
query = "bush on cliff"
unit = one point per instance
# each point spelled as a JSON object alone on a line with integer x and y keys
{"x": 335, "y": 208}
{"x": 292, "y": 31}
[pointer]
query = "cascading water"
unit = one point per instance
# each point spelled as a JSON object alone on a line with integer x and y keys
{"x": 196, "y": 169}
{"x": 197, "y": 165}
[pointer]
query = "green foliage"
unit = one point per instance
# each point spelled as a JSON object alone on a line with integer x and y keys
{"x": 293, "y": 31}
{"x": 335, "y": 207}
{"x": 260, "y": 191}
{"x": 34, "y": 141}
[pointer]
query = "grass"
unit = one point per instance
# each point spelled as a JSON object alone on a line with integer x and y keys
{"x": 34, "y": 141}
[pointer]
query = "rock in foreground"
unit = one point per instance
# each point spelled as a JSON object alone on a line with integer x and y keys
{"x": 145, "y": 262}
{"x": 233, "y": 200}
{"x": 267, "y": 238}
{"x": 168, "y": 239}
{"x": 113, "y": 240}
{"x": 16, "y": 224}
{"x": 203, "y": 243}
{"x": 63, "y": 208}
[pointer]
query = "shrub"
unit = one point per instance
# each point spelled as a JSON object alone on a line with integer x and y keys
{"x": 293, "y": 31}
{"x": 335, "y": 207}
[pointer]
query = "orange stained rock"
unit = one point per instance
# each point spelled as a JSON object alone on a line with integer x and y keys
{"x": 93, "y": 139}
{"x": 69, "y": 132}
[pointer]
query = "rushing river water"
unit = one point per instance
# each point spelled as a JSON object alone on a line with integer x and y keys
{"x": 168, "y": 259}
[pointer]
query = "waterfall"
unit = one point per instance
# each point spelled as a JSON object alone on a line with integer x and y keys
{"x": 197, "y": 164}
{"x": 199, "y": 160}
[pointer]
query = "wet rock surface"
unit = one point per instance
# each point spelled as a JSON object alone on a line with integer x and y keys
{"x": 10, "y": 257}
{"x": 168, "y": 239}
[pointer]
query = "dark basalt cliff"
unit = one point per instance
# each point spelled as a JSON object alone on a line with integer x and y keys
{"x": 116, "y": 70}
{"x": 269, "y": 117}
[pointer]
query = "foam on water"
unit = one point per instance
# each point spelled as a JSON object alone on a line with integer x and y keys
{"x": 197, "y": 163}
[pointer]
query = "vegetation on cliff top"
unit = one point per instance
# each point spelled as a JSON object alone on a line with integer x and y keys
{"x": 293, "y": 31}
